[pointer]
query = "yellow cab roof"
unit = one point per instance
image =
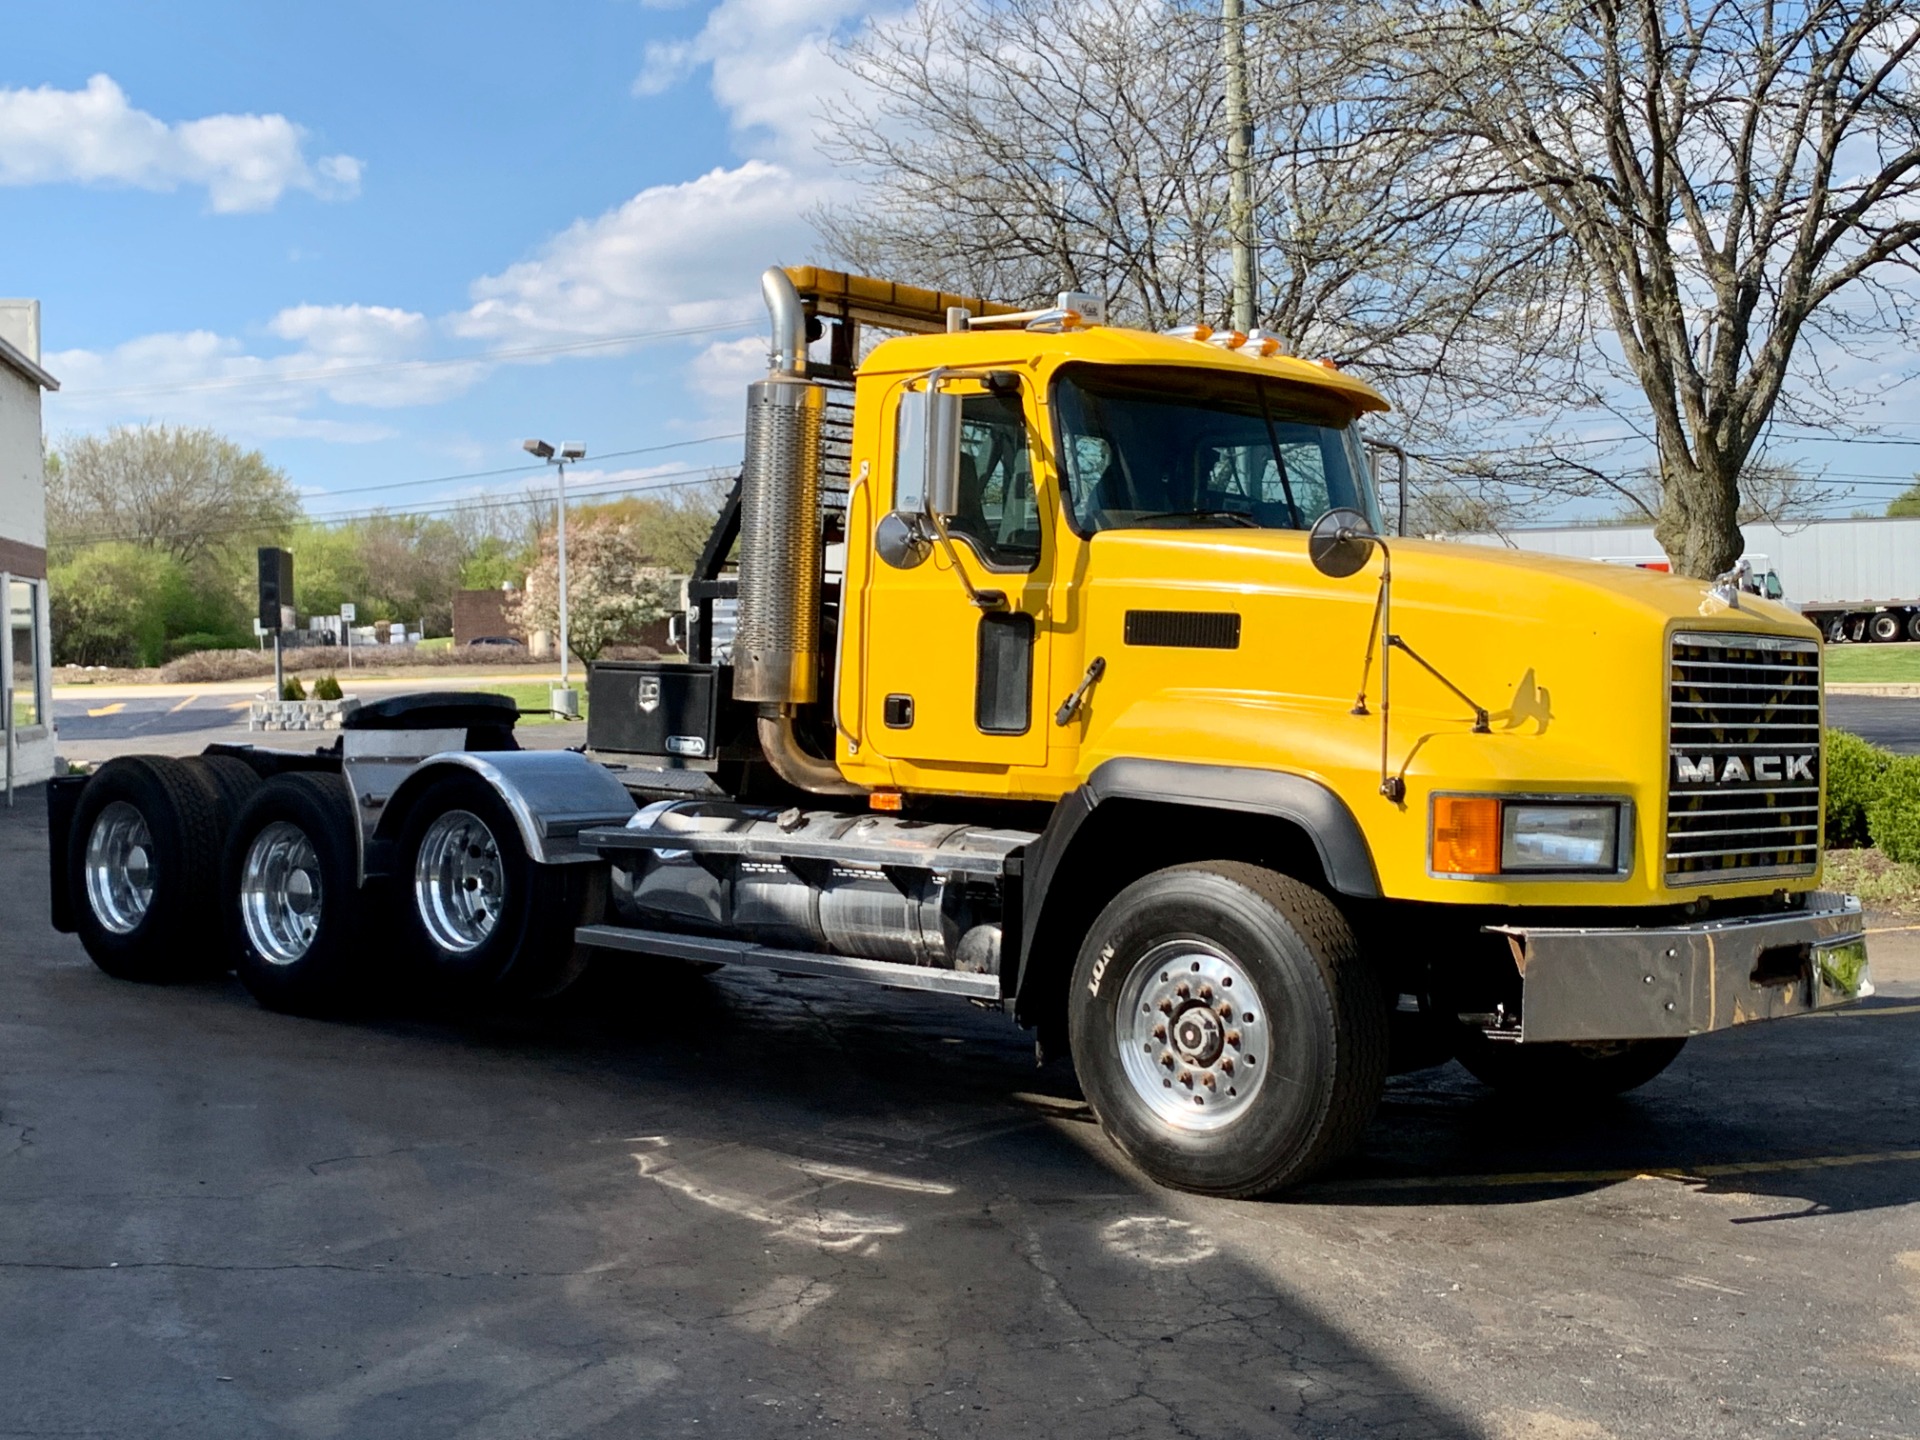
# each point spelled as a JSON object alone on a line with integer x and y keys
{"x": 1014, "y": 348}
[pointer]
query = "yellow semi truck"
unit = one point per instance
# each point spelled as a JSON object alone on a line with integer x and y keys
{"x": 1073, "y": 672}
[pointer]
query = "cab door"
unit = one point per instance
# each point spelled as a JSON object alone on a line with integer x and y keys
{"x": 951, "y": 683}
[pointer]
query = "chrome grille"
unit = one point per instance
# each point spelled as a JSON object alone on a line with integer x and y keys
{"x": 1743, "y": 767}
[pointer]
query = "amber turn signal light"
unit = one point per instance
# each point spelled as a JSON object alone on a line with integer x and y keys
{"x": 1466, "y": 835}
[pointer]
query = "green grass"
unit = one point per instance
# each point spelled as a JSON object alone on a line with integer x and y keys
{"x": 1879, "y": 882}
{"x": 439, "y": 642}
{"x": 535, "y": 695}
{"x": 1873, "y": 664}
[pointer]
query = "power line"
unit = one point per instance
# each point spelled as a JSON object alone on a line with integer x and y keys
{"x": 645, "y": 485}
{"x": 348, "y": 372}
{"x": 515, "y": 469}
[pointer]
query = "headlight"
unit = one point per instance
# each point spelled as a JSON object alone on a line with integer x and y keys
{"x": 1559, "y": 837}
{"x": 1485, "y": 835}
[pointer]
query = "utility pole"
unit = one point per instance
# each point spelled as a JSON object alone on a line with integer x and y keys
{"x": 1233, "y": 52}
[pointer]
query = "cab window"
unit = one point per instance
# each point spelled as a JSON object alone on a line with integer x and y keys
{"x": 997, "y": 512}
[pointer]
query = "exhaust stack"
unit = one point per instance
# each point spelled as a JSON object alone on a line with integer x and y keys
{"x": 776, "y": 642}
{"x": 776, "y": 647}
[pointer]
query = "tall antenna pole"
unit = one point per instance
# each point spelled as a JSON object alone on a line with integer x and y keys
{"x": 1233, "y": 50}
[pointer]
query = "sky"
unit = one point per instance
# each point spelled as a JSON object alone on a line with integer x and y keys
{"x": 385, "y": 243}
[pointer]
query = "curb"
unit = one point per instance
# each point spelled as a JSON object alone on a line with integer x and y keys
{"x": 1903, "y": 690}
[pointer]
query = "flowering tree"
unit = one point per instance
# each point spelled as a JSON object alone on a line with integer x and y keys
{"x": 614, "y": 590}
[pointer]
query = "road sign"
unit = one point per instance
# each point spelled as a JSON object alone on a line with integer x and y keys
{"x": 346, "y": 611}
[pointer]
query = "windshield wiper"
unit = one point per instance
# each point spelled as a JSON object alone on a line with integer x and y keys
{"x": 1245, "y": 517}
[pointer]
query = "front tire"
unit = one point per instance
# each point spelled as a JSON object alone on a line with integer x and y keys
{"x": 295, "y": 912}
{"x": 1555, "y": 1073}
{"x": 483, "y": 913}
{"x": 1226, "y": 1028}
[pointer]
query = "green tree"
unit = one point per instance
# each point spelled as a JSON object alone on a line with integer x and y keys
{"x": 110, "y": 604}
{"x": 1907, "y": 502}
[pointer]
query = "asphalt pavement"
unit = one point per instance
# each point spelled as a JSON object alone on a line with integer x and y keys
{"x": 743, "y": 1206}
{"x": 1892, "y": 722}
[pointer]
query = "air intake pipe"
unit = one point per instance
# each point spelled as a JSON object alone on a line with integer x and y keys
{"x": 776, "y": 644}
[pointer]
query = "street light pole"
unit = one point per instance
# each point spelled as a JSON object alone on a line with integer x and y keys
{"x": 568, "y": 452}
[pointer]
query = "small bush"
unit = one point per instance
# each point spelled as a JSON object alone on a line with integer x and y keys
{"x": 1893, "y": 816}
{"x": 202, "y": 640}
{"x": 292, "y": 689}
{"x": 326, "y": 687}
{"x": 1855, "y": 772}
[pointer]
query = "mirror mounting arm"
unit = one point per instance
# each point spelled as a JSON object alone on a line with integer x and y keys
{"x": 982, "y": 599}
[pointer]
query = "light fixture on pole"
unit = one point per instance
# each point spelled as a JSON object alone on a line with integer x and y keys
{"x": 565, "y": 699}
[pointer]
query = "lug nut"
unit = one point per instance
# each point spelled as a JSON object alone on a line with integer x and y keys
{"x": 1233, "y": 1038}
{"x": 1159, "y": 1032}
{"x": 1166, "y": 1058}
{"x": 1183, "y": 990}
{"x": 1186, "y": 1078}
{"x": 1226, "y": 1064}
{"x": 1166, "y": 1007}
{"x": 1206, "y": 992}
{"x": 1207, "y": 1080}
{"x": 1225, "y": 1011}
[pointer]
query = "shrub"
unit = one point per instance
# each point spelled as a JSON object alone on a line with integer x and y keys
{"x": 1893, "y": 816}
{"x": 213, "y": 665}
{"x": 201, "y": 640}
{"x": 327, "y": 687}
{"x": 1855, "y": 771}
{"x": 292, "y": 689}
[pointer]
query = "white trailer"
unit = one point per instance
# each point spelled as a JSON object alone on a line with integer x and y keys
{"x": 1857, "y": 579}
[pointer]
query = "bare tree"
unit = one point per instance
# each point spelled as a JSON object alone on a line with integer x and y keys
{"x": 189, "y": 493}
{"x": 1737, "y": 180}
{"x": 1015, "y": 148}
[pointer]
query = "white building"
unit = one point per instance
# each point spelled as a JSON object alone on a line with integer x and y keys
{"x": 26, "y": 689}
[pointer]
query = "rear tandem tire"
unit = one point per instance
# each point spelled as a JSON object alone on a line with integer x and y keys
{"x": 231, "y": 781}
{"x": 1552, "y": 1074}
{"x": 296, "y": 916}
{"x": 1227, "y": 1029}
{"x": 143, "y": 871}
{"x": 483, "y": 914}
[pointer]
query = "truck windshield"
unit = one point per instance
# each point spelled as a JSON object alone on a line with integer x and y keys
{"x": 1164, "y": 447}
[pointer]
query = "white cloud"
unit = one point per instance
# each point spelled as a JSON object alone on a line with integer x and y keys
{"x": 771, "y": 68}
{"x": 95, "y": 136}
{"x": 369, "y": 356}
{"x": 360, "y": 331}
{"x": 673, "y": 256}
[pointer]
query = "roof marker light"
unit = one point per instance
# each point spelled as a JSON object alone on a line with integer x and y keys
{"x": 1199, "y": 333}
{"x": 1262, "y": 343}
{"x": 1230, "y": 339}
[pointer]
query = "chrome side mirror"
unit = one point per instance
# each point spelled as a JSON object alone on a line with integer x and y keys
{"x": 1340, "y": 543}
{"x": 928, "y": 447}
{"x": 942, "y": 487}
{"x": 901, "y": 540}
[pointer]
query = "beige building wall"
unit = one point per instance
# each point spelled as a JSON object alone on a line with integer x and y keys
{"x": 26, "y": 693}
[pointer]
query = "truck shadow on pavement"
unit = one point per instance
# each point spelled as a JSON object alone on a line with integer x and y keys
{"x": 762, "y": 1205}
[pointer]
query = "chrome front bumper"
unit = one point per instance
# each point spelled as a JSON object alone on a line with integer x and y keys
{"x": 1644, "y": 984}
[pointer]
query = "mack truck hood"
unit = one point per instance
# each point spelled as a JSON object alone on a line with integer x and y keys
{"x": 1572, "y": 660}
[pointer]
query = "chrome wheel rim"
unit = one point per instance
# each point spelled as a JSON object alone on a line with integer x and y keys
{"x": 120, "y": 868}
{"x": 1192, "y": 1035}
{"x": 280, "y": 894}
{"x": 459, "y": 884}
